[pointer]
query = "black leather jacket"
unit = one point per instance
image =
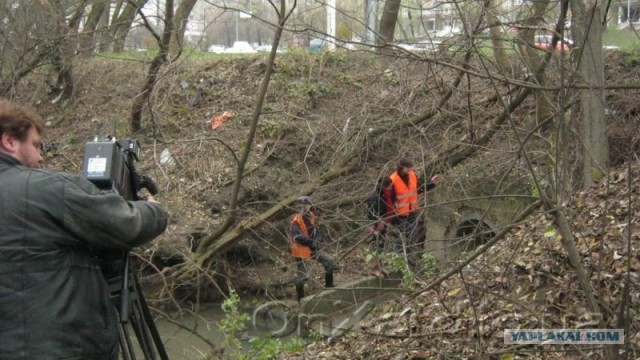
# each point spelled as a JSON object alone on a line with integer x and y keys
{"x": 54, "y": 301}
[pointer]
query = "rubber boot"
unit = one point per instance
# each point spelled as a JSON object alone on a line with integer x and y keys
{"x": 328, "y": 280}
{"x": 300, "y": 291}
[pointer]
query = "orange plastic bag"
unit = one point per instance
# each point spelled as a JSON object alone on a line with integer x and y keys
{"x": 217, "y": 121}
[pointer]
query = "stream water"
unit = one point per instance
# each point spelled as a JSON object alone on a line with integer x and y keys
{"x": 190, "y": 336}
{"x": 193, "y": 336}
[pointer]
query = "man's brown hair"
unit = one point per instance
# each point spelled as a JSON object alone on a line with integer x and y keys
{"x": 405, "y": 163}
{"x": 16, "y": 120}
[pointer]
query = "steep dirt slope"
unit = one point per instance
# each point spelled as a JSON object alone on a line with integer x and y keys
{"x": 316, "y": 109}
{"x": 319, "y": 107}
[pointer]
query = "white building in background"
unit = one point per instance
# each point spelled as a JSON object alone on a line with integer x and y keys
{"x": 194, "y": 31}
{"x": 431, "y": 19}
{"x": 440, "y": 18}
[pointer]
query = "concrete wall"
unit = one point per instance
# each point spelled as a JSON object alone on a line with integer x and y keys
{"x": 452, "y": 211}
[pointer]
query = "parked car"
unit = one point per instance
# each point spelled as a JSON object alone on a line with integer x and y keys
{"x": 406, "y": 46}
{"x": 341, "y": 45}
{"x": 216, "y": 49}
{"x": 448, "y": 31}
{"x": 317, "y": 45}
{"x": 429, "y": 46}
{"x": 263, "y": 48}
{"x": 267, "y": 48}
{"x": 241, "y": 47}
{"x": 543, "y": 42}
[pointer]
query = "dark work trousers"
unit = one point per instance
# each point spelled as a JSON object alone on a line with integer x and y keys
{"x": 301, "y": 269}
{"x": 407, "y": 239}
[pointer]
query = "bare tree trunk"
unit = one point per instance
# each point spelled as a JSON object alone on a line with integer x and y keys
{"x": 614, "y": 14}
{"x": 559, "y": 168}
{"x": 388, "y": 22}
{"x": 121, "y": 27}
{"x": 89, "y": 36}
{"x": 532, "y": 59}
{"x": 154, "y": 68}
{"x": 591, "y": 68}
{"x": 411, "y": 26}
{"x": 104, "y": 33}
{"x": 180, "y": 23}
{"x": 62, "y": 50}
{"x": 495, "y": 32}
{"x": 116, "y": 11}
{"x": 74, "y": 21}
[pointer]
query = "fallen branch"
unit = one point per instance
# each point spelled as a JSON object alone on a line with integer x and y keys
{"x": 230, "y": 237}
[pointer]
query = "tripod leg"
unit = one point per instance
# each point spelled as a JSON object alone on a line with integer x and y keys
{"x": 150, "y": 324}
{"x": 142, "y": 333}
{"x": 126, "y": 345}
{"x": 127, "y": 297}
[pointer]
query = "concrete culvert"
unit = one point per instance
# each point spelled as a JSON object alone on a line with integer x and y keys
{"x": 471, "y": 232}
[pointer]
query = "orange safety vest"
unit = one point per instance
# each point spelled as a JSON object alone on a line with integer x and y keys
{"x": 299, "y": 250}
{"x": 406, "y": 194}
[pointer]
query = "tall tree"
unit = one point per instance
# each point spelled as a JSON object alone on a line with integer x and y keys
{"x": 154, "y": 68}
{"x": 587, "y": 30}
{"x": 181, "y": 18}
{"x": 89, "y": 36}
{"x": 388, "y": 22}
{"x": 495, "y": 32}
{"x": 121, "y": 26}
{"x": 533, "y": 17}
{"x": 63, "y": 43}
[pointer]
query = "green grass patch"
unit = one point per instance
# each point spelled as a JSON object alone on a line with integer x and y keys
{"x": 625, "y": 39}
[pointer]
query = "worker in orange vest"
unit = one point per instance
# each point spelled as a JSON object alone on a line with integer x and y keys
{"x": 304, "y": 239}
{"x": 406, "y": 187}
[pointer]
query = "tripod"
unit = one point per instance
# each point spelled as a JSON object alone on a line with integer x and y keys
{"x": 127, "y": 297}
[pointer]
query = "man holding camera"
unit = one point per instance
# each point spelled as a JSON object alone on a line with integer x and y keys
{"x": 54, "y": 300}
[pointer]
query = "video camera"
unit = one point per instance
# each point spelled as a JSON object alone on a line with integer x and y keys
{"x": 110, "y": 165}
